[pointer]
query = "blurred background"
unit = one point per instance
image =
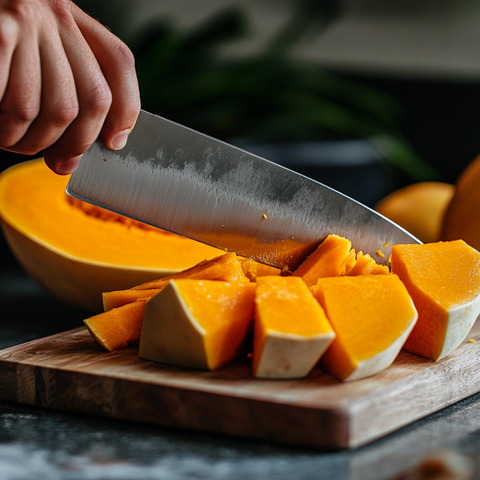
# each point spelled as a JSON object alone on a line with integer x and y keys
{"x": 401, "y": 74}
{"x": 364, "y": 95}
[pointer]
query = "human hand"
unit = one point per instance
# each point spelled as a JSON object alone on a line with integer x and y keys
{"x": 64, "y": 81}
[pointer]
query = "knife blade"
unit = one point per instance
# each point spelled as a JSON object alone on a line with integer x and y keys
{"x": 183, "y": 181}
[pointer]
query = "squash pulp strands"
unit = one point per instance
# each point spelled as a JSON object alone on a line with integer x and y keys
{"x": 186, "y": 182}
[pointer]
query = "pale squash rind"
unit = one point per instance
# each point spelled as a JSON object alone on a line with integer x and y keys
{"x": 279, "y": 349}
{"x": 73, "y": 280}
{"x": 460, "y": 322}
{"x": 171, "y": 334}
{"x": 168, "y": 326}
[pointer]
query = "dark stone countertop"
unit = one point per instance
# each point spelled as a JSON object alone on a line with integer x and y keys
{"x": 42, "y": 444}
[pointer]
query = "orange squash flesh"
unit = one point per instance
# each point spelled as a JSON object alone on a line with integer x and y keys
{"x": 291, "y": 331}
{"x": 366, "y": 265}
{"x": 332, "y": 258}
{"x": 128, "y": 305}
{"x": 371, "y": 315}
{"x": 444, "y": 281}
{"x": 117, "y": 298}
{"x": 118, "y": 328}
{"x": 253, "y": 269}
{"x": 197, "y": 323}
{"x": 226, "y": 267}
{"x": 89, "y": 233}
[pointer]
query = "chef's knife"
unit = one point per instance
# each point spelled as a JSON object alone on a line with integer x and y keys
{"x": 188, "y": 183}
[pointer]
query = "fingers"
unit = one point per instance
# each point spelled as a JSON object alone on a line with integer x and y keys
{"x": 59, "y": 103}
{"x": 20, "y": 103}
{"x": 107, "y": 90}
{"x": 8, "y": 41}
{"x": 94, "y": 100}
{"x": 118, "y": 66}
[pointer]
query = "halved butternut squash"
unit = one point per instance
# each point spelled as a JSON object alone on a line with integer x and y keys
{"x": 443, "y": 279}
{"x": 197, "y": 323}
{"x": 77, "y": 251}
{"x": 291, "y": 331}
{"x": 372, "y": 316}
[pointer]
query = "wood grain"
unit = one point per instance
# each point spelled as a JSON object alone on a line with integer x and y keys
{"x": 70, "y": 371}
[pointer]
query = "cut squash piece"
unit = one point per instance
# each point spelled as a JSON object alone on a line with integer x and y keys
{"x": 117, "y": 298}
{"x": 118, "y": 328}
{"x": 197, "y": 323}
{"x": 226, "y": 267}
{"x": 372, "y": 316}
{"x": 129, "y": 323}
{"x": 291, "y": 331}
{"x": 366, "y": 265}
{"x": 332, "y": 258}
{"x": 444, "y": 281}
{"x": 253, "y": 269}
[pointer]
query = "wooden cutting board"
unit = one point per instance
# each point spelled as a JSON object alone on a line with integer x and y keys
{"x": 70, "y": 372}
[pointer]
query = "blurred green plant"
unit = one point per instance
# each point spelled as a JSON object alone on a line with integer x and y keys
{"x": 268, "y": 96}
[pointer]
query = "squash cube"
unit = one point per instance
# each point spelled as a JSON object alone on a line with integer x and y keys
{"x": 443, "y": 279}
{"x": 332, "y": 258}
{"x": 372, "y": 316}
{"x": 291, "y": 331}
{"x": 197, "y": 323}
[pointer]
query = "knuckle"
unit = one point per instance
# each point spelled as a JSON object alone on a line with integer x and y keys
{"x": 99, "y": 99}
{"x": 64, "y": 113}
{"x": 125, "y": 56}
{"x": 19, "y": 114}
{"x": 24, "y": 12}
{"x": 8, "y": 31}
{"x": 24, "y": 113}
{"x": 60, "y": 8}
